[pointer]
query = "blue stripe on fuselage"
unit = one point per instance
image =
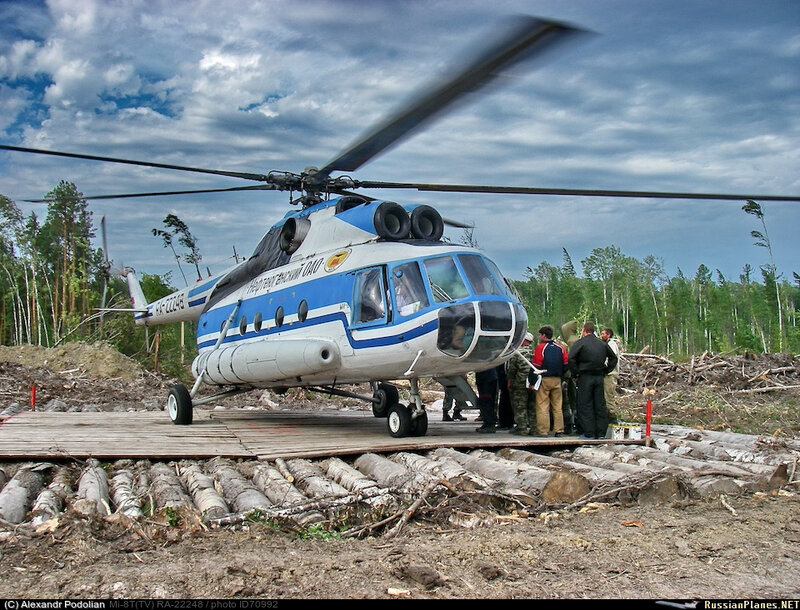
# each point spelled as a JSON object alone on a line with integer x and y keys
{"x": 393, "y": 339}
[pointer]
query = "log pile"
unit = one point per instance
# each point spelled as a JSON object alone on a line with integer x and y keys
{"x": 736, "y": 374}
{"x": 381, "y": 493}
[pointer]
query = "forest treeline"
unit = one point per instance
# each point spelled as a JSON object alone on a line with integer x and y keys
{"x": 52, "y": 279}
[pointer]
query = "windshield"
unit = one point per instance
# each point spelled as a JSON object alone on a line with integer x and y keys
{"x": 478, "y": 275}
{"x": 446, "y": 282}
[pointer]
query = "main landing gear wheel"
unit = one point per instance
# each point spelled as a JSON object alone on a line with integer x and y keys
{"x": 179, "y": 405}
{"x": 388, "y": 397}
{"x": 399, "y": 421}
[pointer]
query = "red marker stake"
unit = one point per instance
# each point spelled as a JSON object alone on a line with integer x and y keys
{"x": 33, "y": 397}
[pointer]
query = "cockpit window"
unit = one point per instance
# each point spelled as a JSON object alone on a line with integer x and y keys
{"x": 446, "y": 282}
{"x": 370, "y": 300}
{"x": 478, "y": 275}
{"x": 409, "y": 289}
{"x": 507, "y": 286}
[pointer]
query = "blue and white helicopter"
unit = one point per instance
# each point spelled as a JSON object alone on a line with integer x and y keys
{"x": 351, "y": 290}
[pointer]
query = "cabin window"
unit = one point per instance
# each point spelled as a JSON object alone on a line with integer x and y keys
{"x": 446, "y": 282}
{"x": 243, "y": 325}
{"x": 302, "y": 311}
{"x": 279, "y": 316}
{"x": 409, "y": 289}
{"x": 479, "y": 275}
{"x": 370, "y": 294}
{"x": 257, "y": 322}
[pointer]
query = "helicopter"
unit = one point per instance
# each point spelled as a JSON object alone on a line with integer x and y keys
{"x": 348, "y": 289}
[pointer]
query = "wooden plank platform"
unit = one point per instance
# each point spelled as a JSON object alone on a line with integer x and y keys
{"x": 141, "y": 435}
{"x": 236, "y": 433}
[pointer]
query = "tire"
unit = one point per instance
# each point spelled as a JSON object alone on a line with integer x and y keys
{"x": 388, "y": 396}
{"x": 179, "y": 405}
{"x": 419, "y": 425}
{"x": 399, "y": 421}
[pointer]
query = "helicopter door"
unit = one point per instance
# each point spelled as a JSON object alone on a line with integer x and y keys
{"x": 369, "y": 302}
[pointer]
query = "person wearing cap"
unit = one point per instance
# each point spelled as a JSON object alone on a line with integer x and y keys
{"x": 552, "y": 359}
{"x": 523, "y": 400}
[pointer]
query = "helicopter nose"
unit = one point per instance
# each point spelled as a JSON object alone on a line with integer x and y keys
{"x": 481, "y": 330}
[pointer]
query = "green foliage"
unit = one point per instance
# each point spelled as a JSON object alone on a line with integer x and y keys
{"x": 678, "y": 315}
{"x": 173, "y": 518}
{"x": 319, "y": 532}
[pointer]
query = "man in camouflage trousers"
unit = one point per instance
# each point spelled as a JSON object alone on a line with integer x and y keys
{"x": 523, "y": 400}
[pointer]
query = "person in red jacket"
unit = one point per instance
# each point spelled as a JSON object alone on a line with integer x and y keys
{"x": 552, "y": 358}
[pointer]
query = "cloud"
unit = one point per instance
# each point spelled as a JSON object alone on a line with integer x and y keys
{"x": 675, "y": 95}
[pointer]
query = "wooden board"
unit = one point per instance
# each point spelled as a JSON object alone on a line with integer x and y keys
{"x": 141, "y": 434}
{"x": 235, "y": 433}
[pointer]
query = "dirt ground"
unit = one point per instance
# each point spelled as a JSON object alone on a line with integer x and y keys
{"x": 728, "y": 547}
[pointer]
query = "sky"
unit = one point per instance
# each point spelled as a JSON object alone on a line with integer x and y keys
{"x": 665, "y": 95}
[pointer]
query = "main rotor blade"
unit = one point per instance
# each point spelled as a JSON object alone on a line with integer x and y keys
{"x": 526, "y": 36}
{"x": 259, "y": 187}
{"x": 218, "y": 172}
{"x": 525, "y": 190}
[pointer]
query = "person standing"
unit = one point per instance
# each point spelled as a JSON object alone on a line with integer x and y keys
{"x": 486, "y": 383}
{"x": 610, "y": 380}
{"x": 569, "y": 335}
{"x": 522, "y": 399}
{"x": 505, "y": 414}
{"x": 591, "y": 359}
{"x": 550, "y": 357}
{"x": 450, "y": 402}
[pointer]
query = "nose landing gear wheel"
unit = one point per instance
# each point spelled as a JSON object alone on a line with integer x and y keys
{"x": 388, "y": 397}
{"x": 399, "y": 421}
{"x": 179, "y": 405}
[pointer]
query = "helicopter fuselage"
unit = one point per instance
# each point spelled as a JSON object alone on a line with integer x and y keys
{"x": 371, "y": 308}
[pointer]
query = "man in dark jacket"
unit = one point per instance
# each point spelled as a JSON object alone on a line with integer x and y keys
{"x": 591, "y": 359}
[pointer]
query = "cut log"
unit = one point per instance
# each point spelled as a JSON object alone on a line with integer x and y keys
{"x": 529, "y": 478}
{"x": 601, "y": 457}
{"x": 723, "y": 452}
{"x": 446, "y": 469}
{"x": 311, "y": 480}
{"x": 204, "y": 495}
{"x": 123, "y": 495}
{"x": 92, "y": 497}
{"x": 704, "y": 479}
{"x": 764, "y": 476}
{"x": 50, "y": 501}
{"x": 751, "y": 441}
{"x": 166, "y": 490}
{"x": 348, "y": 477}
{"x": 357, "y": 482}
{"x": 19, "y": 492}
{"x": 563, "y": 485}
{"x": 240, "y": 493}
{"x": 592, "y": 473}
{"x": 391, "y": 474}
{"x": 283, "y": 494}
